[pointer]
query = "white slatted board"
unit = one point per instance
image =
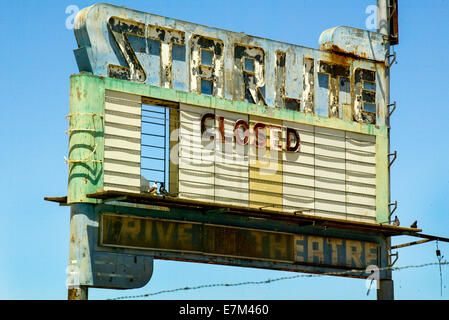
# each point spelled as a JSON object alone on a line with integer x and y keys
{"x": 122, "y": 142}
{"x": 332, "y": 175}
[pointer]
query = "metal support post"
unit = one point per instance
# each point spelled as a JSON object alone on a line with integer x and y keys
{"x": 80, "y": 270}
{"x": 80, "y": 293}
{"x": 386, "y": 288}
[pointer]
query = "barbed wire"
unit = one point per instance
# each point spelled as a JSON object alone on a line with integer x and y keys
{"x": 268, "y": 281}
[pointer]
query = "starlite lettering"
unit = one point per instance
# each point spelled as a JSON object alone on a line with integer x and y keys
{"x": 231, "y": 66}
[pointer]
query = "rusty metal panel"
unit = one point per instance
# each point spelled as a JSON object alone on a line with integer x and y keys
{"x": 202, "y": 240}
{"x": 394, "y": 23}
{"x": 360, "y": 43}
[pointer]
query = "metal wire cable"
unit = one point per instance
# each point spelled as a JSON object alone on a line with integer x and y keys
{"x": 268, "y": 281}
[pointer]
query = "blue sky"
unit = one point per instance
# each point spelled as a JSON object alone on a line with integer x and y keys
{"x": 37, "y": 59}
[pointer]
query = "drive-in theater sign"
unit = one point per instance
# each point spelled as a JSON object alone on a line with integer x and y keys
{"x": 192, "y": 143}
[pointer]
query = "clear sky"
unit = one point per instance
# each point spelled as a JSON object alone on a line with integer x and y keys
{"x": 37, "y": 59}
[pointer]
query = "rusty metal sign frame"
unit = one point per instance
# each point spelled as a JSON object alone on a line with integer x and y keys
{"x": 231, "y": 221}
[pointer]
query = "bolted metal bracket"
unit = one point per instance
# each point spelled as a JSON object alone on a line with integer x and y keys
{"x": 389, "y": 63}
{"x": 390, "y": 112}
{"x": 396, "y": 255}
{"x": 395, "y": 204}
{"x": 395, "y": 155}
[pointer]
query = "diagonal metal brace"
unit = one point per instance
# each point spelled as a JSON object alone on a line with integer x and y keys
{"x": 395, "y": 155}
{"x": 392, "y": 110}
{"x": 396, "y": 255}
{"x": 395, "y": 204}
{"x": 389, "y": 63}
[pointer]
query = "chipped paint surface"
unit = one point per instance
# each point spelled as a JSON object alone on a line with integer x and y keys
{"x": 86, "y": 139}
{"x": 95, "y": 266}
{"x": 131, "y": 45}
{"x": 113, "y": 246}
{"x": 201, "y": 70}
{"x": 120, "y": 231}
{"x": 359, "y": 43}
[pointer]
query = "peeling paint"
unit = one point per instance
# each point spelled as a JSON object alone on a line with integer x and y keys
{"x": 364, "y": 96}
{"x": 308, "y": 76}
{"x": 201, "y": 71}
{"x": 242, "y": 68}
{"x": 335, "y": 72}
{"x": 354, "y": 42}
{"x": 122, "y": 28}
{"x": 282, "y": 101}
{"x": 248, "y": 83}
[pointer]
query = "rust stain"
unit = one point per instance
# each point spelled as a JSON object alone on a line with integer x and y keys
{"x": 345, "y": 55}
{"x": 78, "y": 93}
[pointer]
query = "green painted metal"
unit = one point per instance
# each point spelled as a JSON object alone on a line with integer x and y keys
{"x": 240, "y": 107}
{"x": 382, "y": 185}
{"x": 86, "y": 137}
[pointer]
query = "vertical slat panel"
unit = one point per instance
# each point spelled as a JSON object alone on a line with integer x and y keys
{"x": 231, "y": 161}
{"x": 333, "y": 174}
{"x": 122, "y": 141}
{"x": 299, "y": 171}
{"x": 196, "y": 156}
{"x": 361, "y": 177}
{"x": 265, "y": 172}
{"x": 330, "y": 169}
{"x": 173, "y": 166}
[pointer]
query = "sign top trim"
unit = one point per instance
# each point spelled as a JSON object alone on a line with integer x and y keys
{"x": 325, "y": 37}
